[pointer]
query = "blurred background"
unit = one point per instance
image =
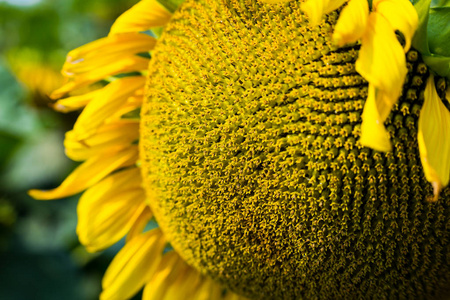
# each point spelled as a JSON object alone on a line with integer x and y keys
{"x": 40, "y": 256}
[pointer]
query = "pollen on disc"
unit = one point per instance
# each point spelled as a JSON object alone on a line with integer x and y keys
{"x": 253, "y": 169}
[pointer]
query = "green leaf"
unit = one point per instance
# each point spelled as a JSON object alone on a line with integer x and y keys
{"x": 439, "y": 31}
{"x": 440, "y": 3}
{"x": 420, "y": 40}
{"x": 432, "y": 38}
{"x": 171, "y": 5}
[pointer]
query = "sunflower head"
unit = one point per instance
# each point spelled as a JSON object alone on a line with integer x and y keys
{"x": 251, "y": 156}
{"x": 244, "y": 135}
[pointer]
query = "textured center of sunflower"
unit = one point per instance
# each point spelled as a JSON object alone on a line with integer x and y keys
{"x": 253, "y": 170}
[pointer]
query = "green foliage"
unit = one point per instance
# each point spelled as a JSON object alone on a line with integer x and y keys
{"x": 432, "y": 38}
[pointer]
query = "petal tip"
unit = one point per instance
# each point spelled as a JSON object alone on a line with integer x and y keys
{"x": 437, "y": 188}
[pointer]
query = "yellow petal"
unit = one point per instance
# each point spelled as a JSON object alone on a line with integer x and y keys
{"x": 118, "y": 66}
{"x": 352, "y": 22}
{"x": 274, "y": 1}
{"x": 132, "y": 103}
{"x": 232, "y": 296}
{"x": 89, "y": 173}
{"x": 111, "y": 137}
{"x": 106, "y": 221}
{"x": 140, "y": 223}
{"x": 373, "y": 132}
{"x": 381, "y": 58}
{"x": 208, "y": 289}
{"x": 434, "y": 138}
{"x": 315, "y": 9}
{"x": 103, "y": 58}
{"x": 402, "y": 16}
{"x": 144, "y": 15}
{"x": 75, "y": 102}
{"x": 105, "y": 104}
{"x": 133, "y": 266}
{"x": 169, "y": 267}
{"x": 109, "y": 209}
{"x": 184, "y": 284}
{"x": 105, "y": 50}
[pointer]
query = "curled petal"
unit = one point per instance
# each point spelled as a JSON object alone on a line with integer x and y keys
{"x": 315, "y": 9}
{"x": 402, "y": 16}
{"x": 143, "y": 16}
{"x": 352, "y": 22}
{"x": 434, "y": 138}
{"x": 381, "y": 58}
{"x": 373, "y": 132}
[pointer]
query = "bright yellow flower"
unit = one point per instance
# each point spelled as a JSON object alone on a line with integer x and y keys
{"x": 237, "y": 132}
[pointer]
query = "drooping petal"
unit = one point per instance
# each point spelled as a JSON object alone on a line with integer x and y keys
{"x": 401, "y": 15}
{"x": 109, "y": 138}
{"x": 89, "y": 173}
{"x": 144, "y": 15}
{"x": 381, "y": 58}
{"x": 373, "y": 132}
{"x": 315, "y": 9}
{"x": 434, "y": 138}
{"x": 133, "y": 266}
{"x": 105, "y": 104}
{"x": 352, "y": 22}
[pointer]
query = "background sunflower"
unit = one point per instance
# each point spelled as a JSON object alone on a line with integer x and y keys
{"x": 40, "y": 256}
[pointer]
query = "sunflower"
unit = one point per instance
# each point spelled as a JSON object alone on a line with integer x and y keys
{"x": 278, "y": 149}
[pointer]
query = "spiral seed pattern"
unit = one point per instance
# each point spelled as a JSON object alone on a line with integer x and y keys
{"x": 251, "y": 160}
